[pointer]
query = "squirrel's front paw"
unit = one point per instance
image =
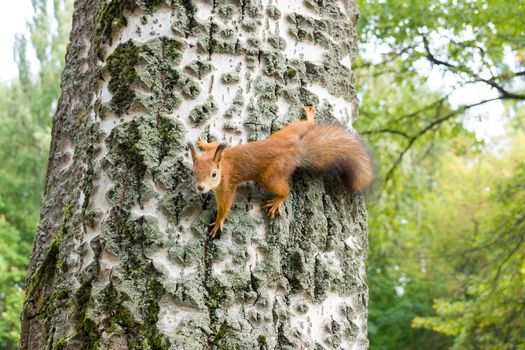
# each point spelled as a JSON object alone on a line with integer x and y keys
{"x": 215, "y": 230}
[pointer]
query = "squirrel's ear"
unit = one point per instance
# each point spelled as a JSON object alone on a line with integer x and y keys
{"x": 194, "y": 155}
{"x": 218, "y": 152}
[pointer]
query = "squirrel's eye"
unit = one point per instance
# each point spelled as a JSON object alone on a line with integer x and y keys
{"x": 214, "y": 174}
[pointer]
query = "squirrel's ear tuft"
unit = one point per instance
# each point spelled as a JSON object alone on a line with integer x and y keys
{"x": 218, "y": 152}
{"x": 194, "y": 155}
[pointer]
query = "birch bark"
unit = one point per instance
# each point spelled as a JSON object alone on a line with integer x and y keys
{"x": 121, "y": 259}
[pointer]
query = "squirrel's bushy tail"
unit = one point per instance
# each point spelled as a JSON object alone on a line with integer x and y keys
{"x": 331, "y": 148}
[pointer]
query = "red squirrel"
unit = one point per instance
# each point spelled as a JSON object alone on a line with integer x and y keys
{"x": 271, "y": 162}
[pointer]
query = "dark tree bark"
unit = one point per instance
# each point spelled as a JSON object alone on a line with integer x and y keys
{"x": 121, "y": 258}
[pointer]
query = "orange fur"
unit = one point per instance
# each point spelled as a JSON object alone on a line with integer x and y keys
{"x": 271, "y": 162}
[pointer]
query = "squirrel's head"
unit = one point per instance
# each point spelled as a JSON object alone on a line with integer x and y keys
{"x": 207, "y": 168}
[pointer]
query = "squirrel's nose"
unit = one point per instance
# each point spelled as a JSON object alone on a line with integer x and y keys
{"x": 200, "y": 188}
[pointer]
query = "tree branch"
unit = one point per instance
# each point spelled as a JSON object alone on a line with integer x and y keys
{"x": 458, "y": 69}
{"x": 387, "y": 131}
{"x": 430, "y": 126}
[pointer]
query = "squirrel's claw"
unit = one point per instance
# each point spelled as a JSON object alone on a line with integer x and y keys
{"x": 268, "y": 204}
{"x": 201, "y": 143}
{"x": 271, "y": 212}
{"x": 275, "y": 206}
{"x": 214, "y": 230}
{"x": 310, "y": 110}
{"x": 310, "y": 113}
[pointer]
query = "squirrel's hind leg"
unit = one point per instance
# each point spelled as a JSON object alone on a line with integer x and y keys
{"x": 280, "y": 187}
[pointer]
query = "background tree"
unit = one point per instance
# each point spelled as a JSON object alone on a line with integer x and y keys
{"x": 485, "y": 310}
{"x": 26, "y": 109}
{"x": 121, "y": 257}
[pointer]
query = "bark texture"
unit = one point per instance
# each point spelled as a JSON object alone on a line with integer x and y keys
{"x": 121, "y": 258}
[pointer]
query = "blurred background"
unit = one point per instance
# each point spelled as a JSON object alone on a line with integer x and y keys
{"x": 442, "y": 89}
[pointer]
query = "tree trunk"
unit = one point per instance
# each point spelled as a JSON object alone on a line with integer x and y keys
{"x": 121, "y": 258}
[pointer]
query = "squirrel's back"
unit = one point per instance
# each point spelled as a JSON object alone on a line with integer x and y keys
{"x": 331, "y": 148}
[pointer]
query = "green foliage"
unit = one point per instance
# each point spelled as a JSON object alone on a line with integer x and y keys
{"x": 12, "y": 270}
{"x": 467, "y": 38}
{"x": 26, "y": 110}
{"x": 438, "y": 233}
{"x": 441, "y": 236}
{"x": 490, "y": 314}
{"x": 395, "y": 299}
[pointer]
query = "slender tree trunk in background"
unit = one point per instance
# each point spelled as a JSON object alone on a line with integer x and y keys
{"x": 121, "y": 258}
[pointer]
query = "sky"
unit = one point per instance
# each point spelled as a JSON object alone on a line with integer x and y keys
{"x": 12, "y": 22}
